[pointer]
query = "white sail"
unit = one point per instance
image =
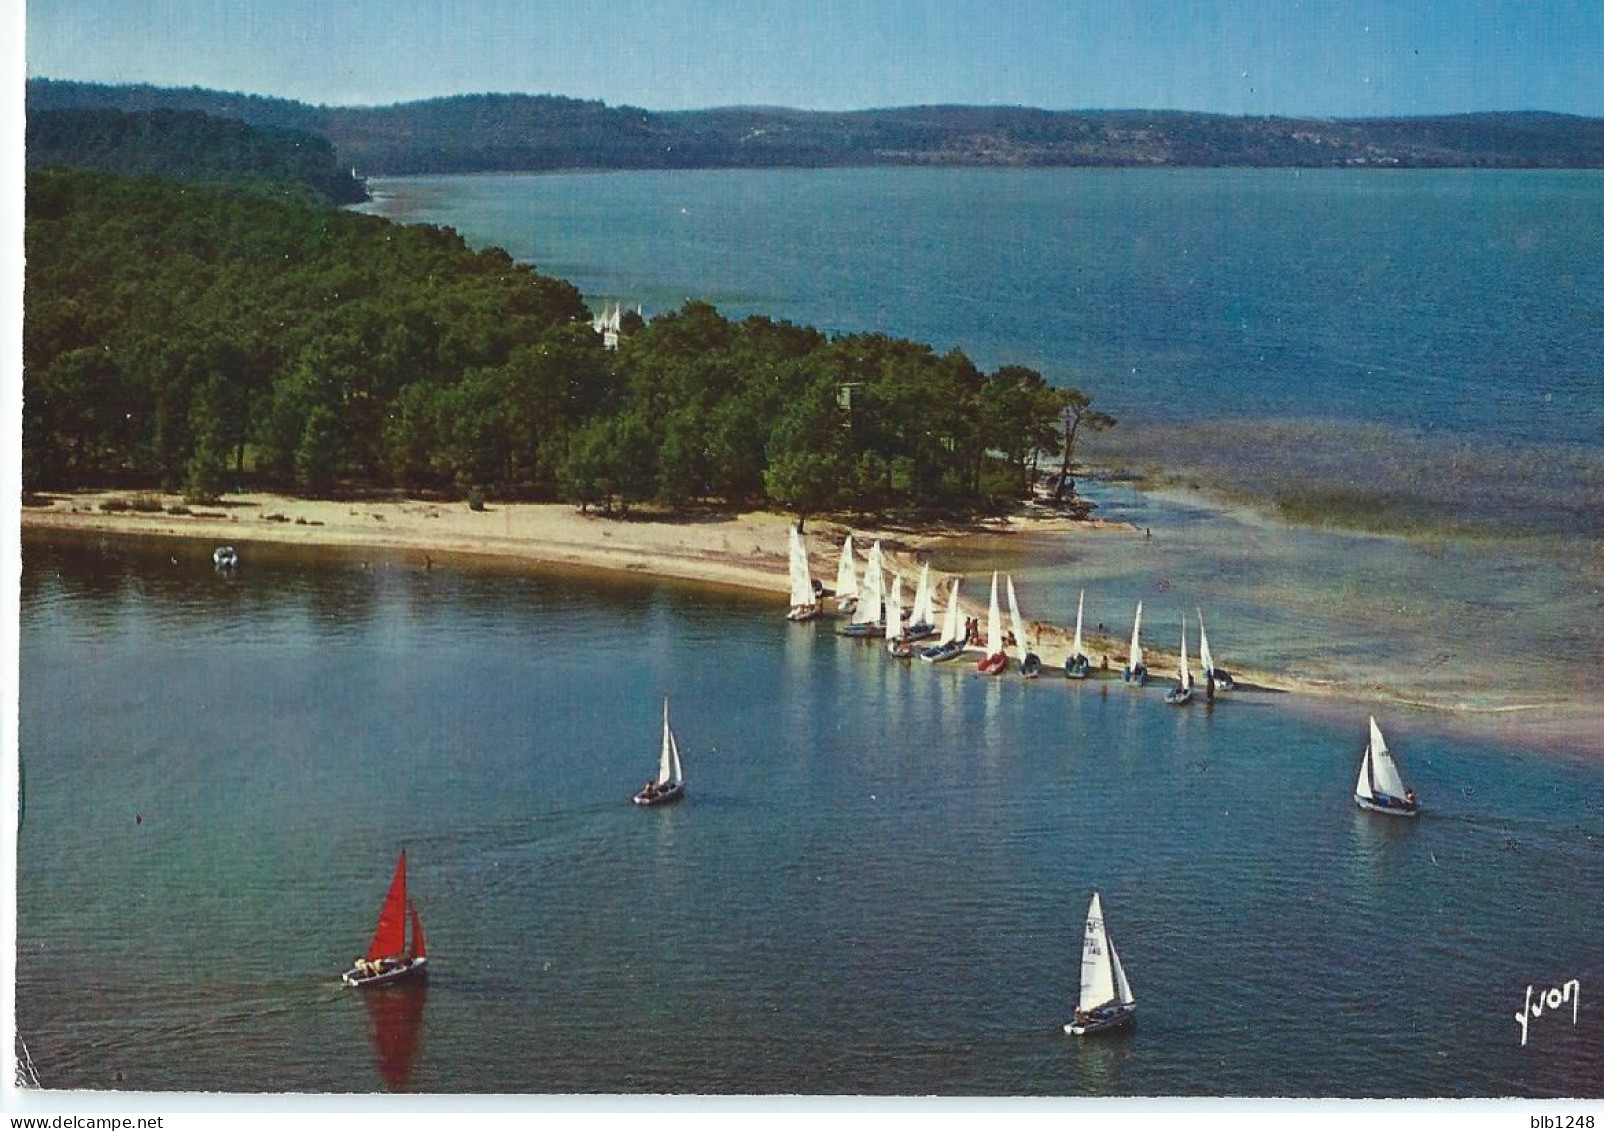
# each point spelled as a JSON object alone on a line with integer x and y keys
{"x": 894, "y": 609}
{"x": 1383, "y": 770}
{"x": 1120, "y": 984}
{"x": 801, "y": 577}
{"x": 924, "y": 608}
{"x": 1185, "y": 670}
{"x": 1204, "y": 656}
{"x": 673, "y": 746}
{"x": 949, "y": 624}
{"x": 870, "y": 598}
{"x": 1096, "y": 966}
{"x": 1018, "y": 621}
{"x": 666, "y": 760}
{"x": 1078, "y": 649}
{"x": 1136, "y": 639}
{"x": 993, "y": 621}
{"x": 846, "y": 575}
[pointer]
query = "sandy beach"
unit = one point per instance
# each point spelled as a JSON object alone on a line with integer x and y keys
{"x": 746, "y": 551}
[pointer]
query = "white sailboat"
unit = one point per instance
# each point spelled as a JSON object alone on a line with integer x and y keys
{"x": 846, "y": 579}
{"x": 1078, "y": 665}
{"x": 804, "y": 603}
{"x": 1381, "y": 788}
{"x": 1105, "y": 999}
{"x": 897, "y": 642}
{"x": 670, "y": 783}
{"x": 1217, "y": 679}
{"x": 866, "y": 619}
{"x": 922, "y": 620}
{"x": 1135, "y": 671}
{"x": 1029, "y": 662}
{"x": 995, "y": 662}
{"x": 951, "y": 644}
{"x": 1181, "y": 693}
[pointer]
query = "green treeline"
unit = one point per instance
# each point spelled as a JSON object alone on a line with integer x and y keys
{"x": 193, "y": 147}
{"x": 199, "y": 339}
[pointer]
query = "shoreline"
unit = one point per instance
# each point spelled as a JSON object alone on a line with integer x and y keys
{"x": 745, "y": 551}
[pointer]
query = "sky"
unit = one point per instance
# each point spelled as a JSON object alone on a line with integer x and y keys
{"x": 1325, "y": 58}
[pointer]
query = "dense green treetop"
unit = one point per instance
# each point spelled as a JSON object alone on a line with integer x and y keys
{"x": 191, "y": 146}
{"x": 192, "y": 337}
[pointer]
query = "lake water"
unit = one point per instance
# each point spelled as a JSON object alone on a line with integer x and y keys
{"x": 876, "y": 884}
{"x": 1439, "y": 305}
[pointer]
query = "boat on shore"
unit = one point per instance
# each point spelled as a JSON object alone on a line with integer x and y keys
{"x": 1029, "y": 662}
{"x": 669, "y": 785}
{"x": 922, "y": 618}
{"x": 846, "y": 579}
{"x": 1078, "y": 665}
{"x": 1181, "y": 693}
{"x": 389, "y": 958}
{"x": 866, "y": 616}
{"x": 1135, "y": 671}
{"x": 1215, "y": 679}
{"x": 1381, "y": 787}
{"x": 1106, "y": 1001}
{"x": 804, "y": 601}
{"x": 898, "y": 646}
{"x": 950, "y": 645}
{"x": 995, "y": 661}
{"x": 225, "y": 558}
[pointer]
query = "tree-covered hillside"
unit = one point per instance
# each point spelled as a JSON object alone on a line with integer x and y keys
{"x": 190, "y": 146}
{"x": 195, "y": 338}
{"x": 507, "y": 132}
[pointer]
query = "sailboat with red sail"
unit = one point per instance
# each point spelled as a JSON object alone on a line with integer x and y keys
{"x": 389, "y": 958}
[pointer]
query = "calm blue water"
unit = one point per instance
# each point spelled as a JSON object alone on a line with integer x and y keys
{"x": 876, "y": 884}
{"x": 1439, "y": 303}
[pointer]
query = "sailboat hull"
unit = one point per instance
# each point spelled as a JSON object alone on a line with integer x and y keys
{"x": 1077, "y": 667}
{"x": 995, "y": 664}
{"x": 861, "y": 631}
{"x": 413, "y": 968}
{"x": 919, "y": 632}
{"x": 1103, "y": 1020}
{"x": 666, "y": 795}
{"x": 808, "y": 612}
{"x": 941, "y": 653}
{"x": 1137, "y": 675}
{"x": 1390, "y": 806}
{"x": 1030, "y": 666}
{"x": 1178, "y": 696}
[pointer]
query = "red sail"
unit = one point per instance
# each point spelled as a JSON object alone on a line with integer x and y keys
{"x": 390, "y": 937}
{"x": 417, "y": 932}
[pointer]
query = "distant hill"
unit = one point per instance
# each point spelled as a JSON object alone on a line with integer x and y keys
{"x": 511, "y": 132}
{"x": 187, "y": 145}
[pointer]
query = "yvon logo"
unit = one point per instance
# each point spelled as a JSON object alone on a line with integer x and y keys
{"x": 1549, "y": 999}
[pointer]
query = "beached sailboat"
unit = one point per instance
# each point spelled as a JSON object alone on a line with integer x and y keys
{"x": 1381, "y": 788}
{"x": 225, "y": 558}
{"x": 922, "y": 620}
{"x": 846, "y": 579}
{"x": 995, "y": 661}
{"x": 950, "y": 645}
{"x": 897, "y": 643}
{"x": 866, "y": 618}
{"x": 388, "y": 957}
{"x": 1181, "y": 693}
{"x": 804, "y": 603}
{"x": 1135, "y": 671}
{"x": 670, "y": 783}
{"x": 1105, "y": 1000}
{"x": 1029, "y": 662}
{"x": 1217, "y": 679}
{"x": 1078, "y": 665}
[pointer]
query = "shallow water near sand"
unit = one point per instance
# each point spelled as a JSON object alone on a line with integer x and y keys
{"x": 876, "y": 884}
